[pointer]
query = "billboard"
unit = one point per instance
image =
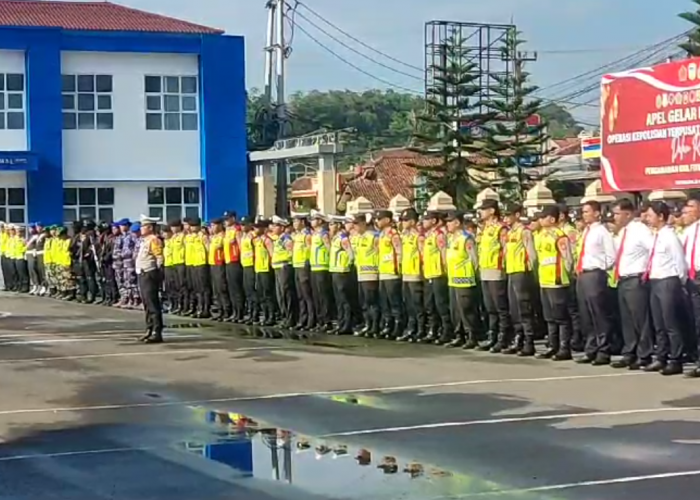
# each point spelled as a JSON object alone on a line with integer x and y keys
{"x": 651, "y": 128}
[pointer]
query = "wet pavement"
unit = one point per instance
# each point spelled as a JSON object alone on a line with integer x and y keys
{"x": 88, "y": 413}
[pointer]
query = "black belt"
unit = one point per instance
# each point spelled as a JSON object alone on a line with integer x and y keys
{"x": 592, "y": 271}
{"x": 631, "y": 276}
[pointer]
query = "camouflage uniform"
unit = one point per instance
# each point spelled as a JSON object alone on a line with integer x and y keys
{"x": 128, "y": 288}
{"x": 117, "y": 265}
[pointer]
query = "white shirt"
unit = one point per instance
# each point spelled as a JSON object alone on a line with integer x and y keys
{"x": 667, "y": 256}
{"x": 632, "y": 248}
{"x": 597, "y": 248}
{"x": 690, "y": 242}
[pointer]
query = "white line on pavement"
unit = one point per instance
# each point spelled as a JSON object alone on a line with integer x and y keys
{"x": 308, "y": 394}
{"x": 579, "y": 484}
{"x": 109, "y": 355}
{"x": 77, "y": 340}
{"x": 511, "y": 420}
{"x": 30, "y": 456}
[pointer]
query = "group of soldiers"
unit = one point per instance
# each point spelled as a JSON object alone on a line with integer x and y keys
{"x": 601, "y": 284}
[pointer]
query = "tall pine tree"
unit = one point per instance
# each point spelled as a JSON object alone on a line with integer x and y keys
{"x": 692, "y": 44}
{"x": 450, "y": 130}
{"x": 517, "y": 141}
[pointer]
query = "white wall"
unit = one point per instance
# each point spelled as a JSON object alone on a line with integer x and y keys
{"x": 10, "y": 179}
{"x": 130, "y": 198}
{"x": 12, "y": 61}
{"x": 129, "y": 151}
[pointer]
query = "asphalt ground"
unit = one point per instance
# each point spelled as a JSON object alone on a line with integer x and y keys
{"x": 86, "y": 412}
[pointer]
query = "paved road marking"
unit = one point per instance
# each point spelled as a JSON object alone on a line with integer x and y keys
{"x": 109, "y": 355}
{"x": 201, "y": 402}
{"x": 579, "y": 484}
{"x": 30, "y": 456}
{"x": 511, "y": 420}
{"x": 78, "y": 340}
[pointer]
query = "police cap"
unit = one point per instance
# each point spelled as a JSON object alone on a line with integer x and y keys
{"x": 409, "y": 214}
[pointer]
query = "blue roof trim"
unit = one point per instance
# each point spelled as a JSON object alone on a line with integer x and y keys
{"x": 222, "y": 118}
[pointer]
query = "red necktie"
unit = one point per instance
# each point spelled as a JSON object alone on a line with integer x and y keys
{"x": 619, "y": 255}
{"x": 579, "y": 265}
{"x": 651, "y": 257}
{"x": 691, "y": 271}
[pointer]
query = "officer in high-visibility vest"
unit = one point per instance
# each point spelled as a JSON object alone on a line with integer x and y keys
{"x": 302, "y": 272}
{"x": 196, "y": 246}
{"x": 367, "y": 264}
{"x": 412, "y": 275}
{"x": 520, "y": 261}
{"x": 555, "y": 266}
{"x": 248, "y": 266}
{"x": 462, "y": 266}
{"x": 571, "y": 223}
{"x": 19, "y": 257}
{"x": 180, "y": 295}
{"x": 357, "y": 317}
{"x": 341, "y": 261}
{"x": 66, "y": 280}
{"x": 170, "y": 291}
{"x": 264, "y": 277}
{"x": 319, "y": 261}
{"x": 390, "y": 275}
{"x": 282, "y": 263}
{"x": 234, "y": 271}
{"x": 437, "y": 296}
{"x": 217, "y": 269}
{"x": 493, "y": 277}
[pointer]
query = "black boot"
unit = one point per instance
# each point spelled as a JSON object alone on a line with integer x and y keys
{"x": 149, "y": 334}
{"x": 492, "y": 340}
{"x": 156, "y": 338}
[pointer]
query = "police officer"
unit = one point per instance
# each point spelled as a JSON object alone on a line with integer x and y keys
{"x": 411, "y": 274}
{"x": 341, "y": 260}
{"x": 389, "y": 275}
{"x": 234, "y": 271}
{"x": 301, "y": 237}
{"x": 217, "y": 269}
{"x": 282, "y": 256}
{"x": 196, "y": 251}
{"x": 367, "y": 263}
{"x": 319, "y": 260}
{"x": 181, "y": 299}
{"x": 148, "y": 264}
{"x": 437, "y": 296}
{"x": 264, "y": 277}
{"x": 247, "y": 242}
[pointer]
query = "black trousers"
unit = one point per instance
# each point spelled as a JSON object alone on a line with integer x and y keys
{"x": 593, "y": 308}
{"x": 437, "y": 297}
{"x": 149, "y": 288}
{"x": 464, "y": 304}
{"x": 170, "y": 291}
{"x": 666, "y": 302}
{"x": 87, "y": 279}
{"x": 578, "y": 338}
{"x": 369, "y": 294}
{"x": 251, "y": 294}
{"x": 219, "y": 288}
{"x": 234, "y": 282}
{"x": 41, "y": 269}
{"x": 693, "y": 287}
{"x": 555, "y": 308}
{"x": 190, "y": 294}
{"x": 496, "y": 303}
{"x": 413, "y": 304}
{"x": 110, "y": 288}
{"x": 635, "y": 320}
{"x": 391, "y": 303}
{"x": 22, "y": 275}
{"x": 307, "y": 309}
{"x": 8, "y": 272}
{"x": 182, "y": 287}
{"x": 355, "y": 298}
{"x": 285, "y": 288}
{"x": 520, "y": 287}
{"x": 265, "y": 291}
{"x": 322, "y": 291}
{"x": 201, "y": 285}
{"x": 342, "y": 290}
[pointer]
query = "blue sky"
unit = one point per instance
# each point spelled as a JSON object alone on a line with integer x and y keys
{"x": 612, "y": 29}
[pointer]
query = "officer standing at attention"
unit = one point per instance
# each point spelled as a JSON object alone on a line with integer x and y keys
{"x": 217, "y": 269}
{"x": 390, "y": 276}
{"x": 319, "y": 259}
{"x": 411, "y": 273}
{"x": 341, "y": 259}
{"x": 595, "y": 258}
{"x": 248, "y": 266}
{"x": 149, "y": 263}
{"x": 302, "y": 272}
{"x": 264, "y": 279}
{"x": 367, "y": 263}
{"x": 282, "y": 255}
{"x": 493, "y": 276}
{"x": 177, "y": 257}
{"x": 234, "y": 271}
{"x": 437, "y": 295}
{"x": 520, "y": 260}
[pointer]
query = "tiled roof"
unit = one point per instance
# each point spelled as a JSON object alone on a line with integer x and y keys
{"x": 567, "y": 146}
{"x": 393, "y": 174}
{"x": 92, "y": 16}
{"x": 304, "y": 183}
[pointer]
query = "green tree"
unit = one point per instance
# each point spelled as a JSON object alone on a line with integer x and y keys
{"x": 518, "y": 143}
{"x": 262, "y": 122}
{"x": 449, "y": 129}
{"x": 692, "y": 44}
{"x": 560, "y": 123}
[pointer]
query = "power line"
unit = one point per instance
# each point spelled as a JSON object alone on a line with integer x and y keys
{"x": 352, "y": 65}
{"x": 352, "y": 49}
{"x": 357, "y": 40}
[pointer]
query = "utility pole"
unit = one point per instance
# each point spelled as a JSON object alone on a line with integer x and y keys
{"x": 519, "y": 60}
{"x": 276, "y": 52}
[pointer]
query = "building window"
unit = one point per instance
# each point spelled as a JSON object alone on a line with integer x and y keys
{"x": 295, "y": 171}
{"x": 87, "y": 102}
{"x": 170, "y": 203}
{"x": 88, "y": 203}
{"x": 171, "y": 103}
{"x": 12, "y": 101}
{"x": 12, "y": 205}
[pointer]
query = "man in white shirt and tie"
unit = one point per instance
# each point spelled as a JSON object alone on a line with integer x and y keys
{"x": 691, "y": 244}
{"x": 596, "y": 257}
{"x": 667, "y": 273}
{"x": 633, "y": 248}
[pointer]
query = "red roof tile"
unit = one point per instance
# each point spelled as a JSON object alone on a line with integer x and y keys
{"x": 303, "y": 183}
{"x": 567, "y": 146}
{"x": 92, "y": 16}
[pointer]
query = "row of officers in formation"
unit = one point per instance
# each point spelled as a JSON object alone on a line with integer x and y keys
{"x": 625, "y": 283}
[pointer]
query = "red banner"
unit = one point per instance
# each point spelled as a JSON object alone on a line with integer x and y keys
{"x": 651, "y": 128}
